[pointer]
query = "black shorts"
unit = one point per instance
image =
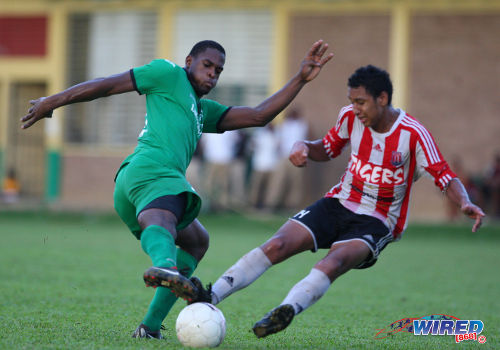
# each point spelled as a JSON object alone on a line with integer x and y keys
{"x": 173, "y": 203}
{"x": 329, "y": 222}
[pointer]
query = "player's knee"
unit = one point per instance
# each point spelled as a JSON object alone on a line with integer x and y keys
{"x": 203, "y": 241}
{"x": 275, "y": 249}
{"x": 158, "y": 217}
{"x": 332, "y": 266}
{"x": 195, "y": 240}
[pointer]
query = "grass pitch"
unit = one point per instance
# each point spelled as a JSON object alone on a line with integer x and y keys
{"x": 75, "y": 282}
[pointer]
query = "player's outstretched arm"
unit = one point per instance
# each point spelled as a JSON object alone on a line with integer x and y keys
{"x": 457, "y": 193}
{"x": 244, "y": 117}
{"x": 86, "y": 91}
{"x": 303, "y": 150}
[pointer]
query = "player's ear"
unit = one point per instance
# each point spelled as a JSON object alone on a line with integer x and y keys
{"x": 383, "y": 99}
{"x": 189, "y": 60}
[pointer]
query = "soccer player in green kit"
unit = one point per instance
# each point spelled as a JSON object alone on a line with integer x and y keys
{"x": 152, "y": 195}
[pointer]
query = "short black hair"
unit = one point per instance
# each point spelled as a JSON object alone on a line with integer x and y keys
{"x": 201, "y": 46}
{"x": 375, "y": 80}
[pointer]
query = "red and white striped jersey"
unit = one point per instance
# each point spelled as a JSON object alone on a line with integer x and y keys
{"x": 382, "y": 168}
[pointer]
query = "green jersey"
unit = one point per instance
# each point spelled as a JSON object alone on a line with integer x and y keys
{"x": 175, "y": 120}
{"x": 175, "y": 117}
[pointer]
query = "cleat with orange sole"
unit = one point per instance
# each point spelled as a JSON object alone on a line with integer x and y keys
{"x": 170, "y": 278}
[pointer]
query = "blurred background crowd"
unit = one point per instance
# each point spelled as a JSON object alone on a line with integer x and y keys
{"x": 441, "y": 55}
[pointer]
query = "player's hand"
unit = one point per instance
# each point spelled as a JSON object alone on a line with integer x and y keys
{"x": 299, "y": 153}
{"x": 474, "y": 212}
{"x": 314, "y": 61}
{"x": 38, "y": 111}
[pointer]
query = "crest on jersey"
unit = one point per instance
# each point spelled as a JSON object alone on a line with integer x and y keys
{"x": 396, "y": 158}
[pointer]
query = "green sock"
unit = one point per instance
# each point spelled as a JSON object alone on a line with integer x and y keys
{"x": 164, "y": 299}
{"x": 159, "y": 244}
{"x": 186, "y": 263}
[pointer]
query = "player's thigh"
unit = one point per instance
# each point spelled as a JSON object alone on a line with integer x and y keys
{"x": 194, "y": 239}
{"x": 292, "y": 238}
{"x": 343, "y": 256}
{"x": 125, "y": 209}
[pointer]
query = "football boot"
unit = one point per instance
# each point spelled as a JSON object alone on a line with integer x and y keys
{"x": 274, "y": 321}
{"x": 170, "y": 278}
{"x": 143, "y": 331}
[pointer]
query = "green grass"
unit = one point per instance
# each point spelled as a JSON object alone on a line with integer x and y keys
{"x": 74, "y": 282}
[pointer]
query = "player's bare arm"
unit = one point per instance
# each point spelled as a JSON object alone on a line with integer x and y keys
{"x": 86, "y": 91}
{"x": 457, "y": 193}
{"x": 303, "y": 150}
{"x": 244, "y": 117}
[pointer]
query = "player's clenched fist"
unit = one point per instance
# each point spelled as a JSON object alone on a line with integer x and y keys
{"x": 299, "y": 153}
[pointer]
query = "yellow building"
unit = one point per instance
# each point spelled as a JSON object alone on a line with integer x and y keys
{"x": 443, "y": 58}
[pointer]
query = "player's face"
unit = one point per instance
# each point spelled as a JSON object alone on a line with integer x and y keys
{"x": 368, "y": 109}
{"x": 204, "y": 70}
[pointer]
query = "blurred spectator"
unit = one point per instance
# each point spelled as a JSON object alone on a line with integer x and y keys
{"x": 218, "y": 151}
{"x": 238, "y": 170}
{"x": 264, "y": 159}
{"x": 11, "y": 187}
{"x": 286, "y": 184}
{"x": 492, "y": 188}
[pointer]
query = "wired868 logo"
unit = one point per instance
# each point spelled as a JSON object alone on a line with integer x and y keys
{"x": 437, "y": 324}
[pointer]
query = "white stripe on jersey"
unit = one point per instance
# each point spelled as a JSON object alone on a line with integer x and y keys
{"x": 342, "y": 113}
{"x": 430, "y": 147}
{"x": 445, "y": 180}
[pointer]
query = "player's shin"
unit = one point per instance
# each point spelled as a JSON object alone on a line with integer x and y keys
{"x": 308, "y": 290}
{"x": 160, "y": 306}
{"x": 164, "y": 299}
{"x": 246, "y": 270}
{"x": 186, "y": 263}
{"x": 159, "y": 244}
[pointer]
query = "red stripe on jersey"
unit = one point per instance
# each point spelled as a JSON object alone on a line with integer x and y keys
{"x": 364, "y": 151}
{"x": 350, "y": 123}
{"x": 387, "y": 192}
{"x": 437, "y": 166}
{"x": 337, "y": 188}
{"x": 427, "y": 142}
{"x": 333, "y": 143}
{"x": 403, "y": 214}
{"x": 344, "y": 113}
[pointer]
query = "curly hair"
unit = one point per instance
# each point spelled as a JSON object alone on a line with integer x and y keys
{"x": 201, "y": 46}
{"x": 375, "y": 80}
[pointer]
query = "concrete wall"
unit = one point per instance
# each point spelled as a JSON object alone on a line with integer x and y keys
{"x": 355, "y": 41}
{"x": 454, "y": 70}
{"x": 87, "y": 181}
{"x": 454, "y": 76}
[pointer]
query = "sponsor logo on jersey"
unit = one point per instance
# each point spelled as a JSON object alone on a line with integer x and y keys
{"x": 437, "y": 324}
{"x": 376, "y": 174}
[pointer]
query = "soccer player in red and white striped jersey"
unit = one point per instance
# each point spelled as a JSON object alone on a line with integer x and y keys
{"x": 383, "y": 165}
{"x": 365, "y": 211}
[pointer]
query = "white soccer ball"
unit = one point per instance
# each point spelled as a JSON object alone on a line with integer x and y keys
{"x": 200, "y": 325}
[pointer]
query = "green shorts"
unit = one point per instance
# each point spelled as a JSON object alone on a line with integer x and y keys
{"x": 140, "y": 180}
